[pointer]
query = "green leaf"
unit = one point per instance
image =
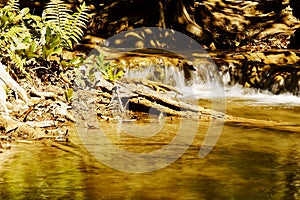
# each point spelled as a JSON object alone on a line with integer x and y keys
{"x": 56, "y": 51}
{"x": 69, "y": 94}
{"x": 119, "y": 74}
{"x": 56, "y": 42}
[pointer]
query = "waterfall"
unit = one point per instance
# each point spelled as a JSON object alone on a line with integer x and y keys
{"x": 168, "y": 75}
{"x": 189, "y": 80}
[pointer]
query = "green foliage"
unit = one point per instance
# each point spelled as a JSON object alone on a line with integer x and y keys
{"x": 109, "y": 71}
{"x": 69, "y": 94}
{"x": 26, "y": 38}
{"x": 13, "y": 4}
{"x": 15, "y": 37}
{"x": 112, "y": 73}
{"x": 51, "y": 43}
{"x": 17, "y": 60}
{"x": 74, "y": 62}
{"x": 68, "y": 26}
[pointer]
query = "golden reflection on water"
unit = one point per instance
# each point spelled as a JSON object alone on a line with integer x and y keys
{"x": 246, "y": 163}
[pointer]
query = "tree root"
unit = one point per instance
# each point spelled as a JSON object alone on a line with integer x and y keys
{"x": 7, "y": 80}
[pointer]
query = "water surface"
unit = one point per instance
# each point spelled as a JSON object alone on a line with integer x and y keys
{"x": 246, "y": 163}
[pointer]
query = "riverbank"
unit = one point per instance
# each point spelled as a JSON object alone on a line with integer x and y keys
{"x": 51, "y": 107}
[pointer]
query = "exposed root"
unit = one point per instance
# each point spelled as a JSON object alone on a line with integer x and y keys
{"x": 7, "y": 80}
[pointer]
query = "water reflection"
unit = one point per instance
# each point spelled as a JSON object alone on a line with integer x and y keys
{"x": 245, "y": 164}
{"x": 39, "y": 172}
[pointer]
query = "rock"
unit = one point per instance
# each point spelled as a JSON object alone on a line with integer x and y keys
{"x": 3, "y": 123}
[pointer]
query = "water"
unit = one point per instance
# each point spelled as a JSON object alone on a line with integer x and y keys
{"x": 182, "y": 76}
{"x": 237, "y": 92}
{"x": 246, "y": 163}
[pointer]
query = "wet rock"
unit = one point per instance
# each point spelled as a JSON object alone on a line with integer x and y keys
{"x": 276, "y": 71}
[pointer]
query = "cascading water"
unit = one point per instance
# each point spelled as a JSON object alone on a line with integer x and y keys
{"x": 200, "y": 81}
{"x": 166, "y": 75}
{"x": 188, "y": 80}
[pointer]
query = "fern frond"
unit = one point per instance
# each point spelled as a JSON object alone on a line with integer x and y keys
{"x": 18, "y": 62}
{"x": 13, "y": 4}
{"x": 57, "y": 13}
{"x": 70, "y": 27}
{"x": 15, "y": 31}
{"x": 77, "y": 22}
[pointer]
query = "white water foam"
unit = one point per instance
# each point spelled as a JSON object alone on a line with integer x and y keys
{"x": 238, "y": 93}
{"x": 196, "y": 88}
{"x": 261, "y": 97}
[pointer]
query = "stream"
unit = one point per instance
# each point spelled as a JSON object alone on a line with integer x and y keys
{"x": 246, "y": 163}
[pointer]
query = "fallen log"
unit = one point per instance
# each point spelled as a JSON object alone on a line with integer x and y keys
{"x": 144, "y": 100}
{"x": 141, "y": 100}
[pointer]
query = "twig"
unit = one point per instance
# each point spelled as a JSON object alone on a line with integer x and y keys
{"x": 43, "y": 94}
